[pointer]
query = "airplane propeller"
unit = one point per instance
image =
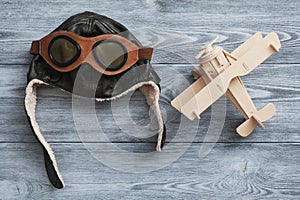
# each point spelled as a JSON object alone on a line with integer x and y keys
{"x": 206, "y": 48}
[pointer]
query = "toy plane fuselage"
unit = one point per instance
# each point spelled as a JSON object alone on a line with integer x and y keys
{"x": 225, "y": 79}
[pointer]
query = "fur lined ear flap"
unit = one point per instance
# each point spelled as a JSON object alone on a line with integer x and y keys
{"x": 151, "y": 93}
{"x": 52, "y": 175}
{"x": 50, "y": 162}
{"x": 149, "y": 89}
{"x": 163, "y": 138}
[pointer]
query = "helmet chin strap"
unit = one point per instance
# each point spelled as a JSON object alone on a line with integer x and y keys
{"x": 149, "y": 89}
{"x": 50, "y": 162}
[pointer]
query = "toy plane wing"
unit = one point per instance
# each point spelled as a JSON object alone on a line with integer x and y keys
{"x": 241, "y": 50}
{"x": 240, "y": 98}
{"x": 188, "y": 94}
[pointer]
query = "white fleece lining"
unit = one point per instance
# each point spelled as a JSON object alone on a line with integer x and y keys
{"x": 151, "y": 94}
{"x": 30, "y": 104}
{"x": 153, "y": 103}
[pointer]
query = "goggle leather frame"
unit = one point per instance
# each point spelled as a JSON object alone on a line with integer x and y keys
{"x": 86, "y": 44}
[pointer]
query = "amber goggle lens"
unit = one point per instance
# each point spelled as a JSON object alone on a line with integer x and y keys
{"x": 110, "y": 54}
{"x": 63, "y": 51}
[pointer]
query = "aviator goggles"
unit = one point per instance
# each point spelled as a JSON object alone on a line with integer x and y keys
{"x": 109, "y": 54}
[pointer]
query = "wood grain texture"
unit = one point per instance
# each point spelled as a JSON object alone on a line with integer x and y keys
{"x": 264, "y": 165}
{"x": 198, "y": 22}
{"x": 242, "y": 171}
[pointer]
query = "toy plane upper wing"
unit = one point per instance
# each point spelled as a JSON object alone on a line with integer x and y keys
{"x": 241, "y": 50}
{"x": 188, "y": 94}
{"x": 250, "y": 57}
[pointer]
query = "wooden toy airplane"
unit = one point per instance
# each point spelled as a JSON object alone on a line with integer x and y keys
{"x": 219, "y": 73}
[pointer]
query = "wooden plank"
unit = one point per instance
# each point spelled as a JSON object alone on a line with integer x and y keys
{"x": 269, "y": 83}
{"x": 174, "y": 29}
{"x": 229, "y": 171}
{"x": 169, "y": 47}
{"x": 168, "y": 14}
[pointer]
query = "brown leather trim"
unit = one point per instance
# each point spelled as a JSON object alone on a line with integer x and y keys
{"x": 34, "y": 47}
{"x": 145, "y": 53}
{"x": 134, "y": 52}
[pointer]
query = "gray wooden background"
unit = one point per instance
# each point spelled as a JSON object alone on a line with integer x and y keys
{"x": 263, "y": 165}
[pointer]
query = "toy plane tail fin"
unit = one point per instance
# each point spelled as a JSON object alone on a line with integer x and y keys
{"x": 257, "y": 118}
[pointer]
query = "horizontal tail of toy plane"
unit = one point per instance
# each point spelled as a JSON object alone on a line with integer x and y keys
{"x": 256, "y": 119}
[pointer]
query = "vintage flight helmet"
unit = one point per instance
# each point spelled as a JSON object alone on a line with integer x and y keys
{"x": 105, "y": 51}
